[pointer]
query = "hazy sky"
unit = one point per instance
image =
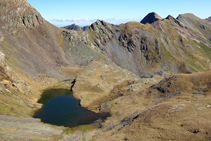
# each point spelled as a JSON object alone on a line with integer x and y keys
{"x": 85, "y": 12}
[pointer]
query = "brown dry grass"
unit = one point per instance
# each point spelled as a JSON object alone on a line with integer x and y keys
{"x": 128, "y": 27}
{"x": 70, "y": 71}
{"x": 182, "y": 117}
{"x": 60, "y": 37}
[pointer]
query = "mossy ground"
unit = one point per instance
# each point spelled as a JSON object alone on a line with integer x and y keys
{"x": 82, "y": 128}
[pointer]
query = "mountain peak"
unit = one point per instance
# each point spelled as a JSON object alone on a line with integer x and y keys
{"x": 190, "y": 21}
{"x": 99, "y": 23}
{"x": 73, "y": 27}
{"x": 187, "y": 15}
{"x": 150, "y": 18}
{"x": 18, "y": 15}
{"x": 170, "y": 17}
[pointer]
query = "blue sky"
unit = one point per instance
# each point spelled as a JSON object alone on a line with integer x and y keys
{"x": 85, "y": 12}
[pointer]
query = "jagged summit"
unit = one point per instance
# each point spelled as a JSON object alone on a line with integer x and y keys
{"x": 73, "y": 27}
{"x": 150, "y": 18}
{"x": 100, "y": 24}
{"x": 171, "y": 18}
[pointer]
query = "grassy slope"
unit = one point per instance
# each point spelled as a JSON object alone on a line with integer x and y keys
{"x": 181, "y": 117}
{"x": 193, "y": 54}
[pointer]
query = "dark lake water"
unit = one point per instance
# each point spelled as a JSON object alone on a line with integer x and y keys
{"x": 62, "y": 109}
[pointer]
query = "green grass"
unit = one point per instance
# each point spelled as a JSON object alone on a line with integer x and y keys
{"x": 10, "y": 52}
{"x": 1, "y": 135}
{"x": 193, "y": 65}
{"x": 203, "y": 51}
{"x": 167, "y": 55}
{"x": 185, "y": 54}
{"x": 82, "y": 128}
{"x": 10, "y": 104}
{"x": 206, "y": 49}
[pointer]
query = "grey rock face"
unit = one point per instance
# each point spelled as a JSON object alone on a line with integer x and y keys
{"x": 103, "y": 31}
{"x": 76, "y": 49}
{"x": 134, "y": 51}
{"x": 145, "y": 43}
{"x": 18, "y": 16}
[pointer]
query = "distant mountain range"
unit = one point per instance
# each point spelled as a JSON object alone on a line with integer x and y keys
{"x": 76, "y": 27}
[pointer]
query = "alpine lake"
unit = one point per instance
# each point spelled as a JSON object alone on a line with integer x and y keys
{"x": 61, "y": 108}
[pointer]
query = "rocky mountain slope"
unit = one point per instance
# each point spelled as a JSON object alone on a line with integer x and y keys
{"x": 146, "y": 48}
{"x": 199, "y": 25}
{"x": 75, "y": 27}
{"x": 122, "y": 69}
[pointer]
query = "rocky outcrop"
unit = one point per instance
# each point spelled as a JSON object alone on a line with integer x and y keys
{"x": 124, "y": 46}
{"x": 10, "y": 80}
{"x": 73, "y": 27}
{"x": 18, "y": 15}
{"x": 178, "y": 84}
{"x": 171, "y": 18}
{"x": 150, "y": 18}
{"x": 146, "y": 42}
{"x": 100, "y": 33}
{"x": 77, "y": 49}
{"x": 76, "y": 27}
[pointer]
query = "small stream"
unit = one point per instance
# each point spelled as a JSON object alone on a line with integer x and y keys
{"x": 61, "y": 108}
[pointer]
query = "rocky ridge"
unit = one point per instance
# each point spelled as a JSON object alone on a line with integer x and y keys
{"x": 155, "y": 47}
{"x": 196, "y": 24}
{"x": 73, "y": 27}
{"x": 76, "y": 27}
{"x": 18, "y": 15}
